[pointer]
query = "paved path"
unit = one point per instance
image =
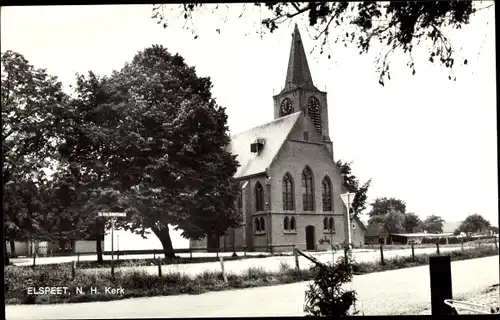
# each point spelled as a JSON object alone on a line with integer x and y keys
{"x": 404, "y": 291}
{"x": 269, "y": 264}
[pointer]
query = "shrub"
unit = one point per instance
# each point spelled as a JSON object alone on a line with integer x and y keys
{"x": 326, "y": 297}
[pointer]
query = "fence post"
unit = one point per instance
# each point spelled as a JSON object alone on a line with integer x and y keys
{"x": 245, "y": 251}
{"x": 496, "y": 244}
{"x": 382, "y": 254}
{"x": 159, "y": 267}
{"x": 73, "y": 270}
{"x": 441, "y": 289}
{"x": 297, "y": 268}
{"x": 462, "y": 244}
{"x": 437, "y": 246}
{"x": 346, "y": 255}
{"x": 223, "y": 271}
{"x": 190, "y": 254}
{"x": 78, "y": 256}
{"x": 413, "y": 251}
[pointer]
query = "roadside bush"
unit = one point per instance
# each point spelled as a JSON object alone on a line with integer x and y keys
{"x": 325, "y": 296}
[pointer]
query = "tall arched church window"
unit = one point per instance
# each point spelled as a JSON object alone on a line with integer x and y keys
{"x": 287, "y": 192}
{"x": 259, "y": 197}
{"x": 286, "y": 107}
{"x": 292, "y": 224}
{"x": 307, "y": 185}
{"x": 326, "y": 187}
{"x": 314, "y": 112}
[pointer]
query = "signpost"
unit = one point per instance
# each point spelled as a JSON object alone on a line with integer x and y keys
{"x": 113, "y": 216}
{"x": 348, "y": 199}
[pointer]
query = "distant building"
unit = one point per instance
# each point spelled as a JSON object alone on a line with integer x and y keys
{"x": 377, "y": 233}
{"x": 290, "y": 186}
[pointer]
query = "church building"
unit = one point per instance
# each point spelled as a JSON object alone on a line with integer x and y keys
{"x": 290, "y": 185}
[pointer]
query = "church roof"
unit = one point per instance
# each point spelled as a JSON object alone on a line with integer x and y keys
{"x": 298, "y": 74}
{"x": 274, "y": 133}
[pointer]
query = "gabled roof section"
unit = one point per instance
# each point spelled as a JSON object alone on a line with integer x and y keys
{"x": 377, "y": 229}
{"x": 360, "y": 223}
{"x": 274, "y": 133}
{"x": 298, "y": 74}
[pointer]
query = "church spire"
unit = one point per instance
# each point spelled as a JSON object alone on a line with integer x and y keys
{"x": 298, "y": 74}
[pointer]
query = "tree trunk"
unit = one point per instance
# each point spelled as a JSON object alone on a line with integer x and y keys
{"x": 98, "y": 248}
{"x": 13, "y": 253}
{"x": 6, "y": 260}
{"x": 164, "y": 236}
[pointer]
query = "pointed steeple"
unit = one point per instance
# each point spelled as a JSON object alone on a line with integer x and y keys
{"x": 298, "y": 74}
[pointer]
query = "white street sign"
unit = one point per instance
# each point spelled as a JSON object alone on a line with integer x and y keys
{"x": 347, "y": 198}
{"x": 112, "y": 214}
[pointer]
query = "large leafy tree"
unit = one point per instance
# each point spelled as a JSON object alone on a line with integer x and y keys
{"x": 433, "y": 224}
{"x": 88, "y": 145}
{"x": 398, "y": 25}
{"x": 393, "y": 221}
{"x": 412, "y": 222}
{"x": 382, "y": 206}
{"x": 474, "y": 223}
{"x": 351, "y": 184}
{"x": 168, "y": 157}
{"x": 31, "y": 102}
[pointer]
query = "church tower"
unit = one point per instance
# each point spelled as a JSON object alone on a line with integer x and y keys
{"x": 299, "y": 93}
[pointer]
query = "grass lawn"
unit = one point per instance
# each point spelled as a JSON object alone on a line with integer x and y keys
{"x": 142, "y": 284}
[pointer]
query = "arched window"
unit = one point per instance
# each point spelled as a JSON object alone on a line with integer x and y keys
{"x": 262, "y": 224}
{"x": 307, "y": 185}
{"x": 259, "y": 197}
{"x": 331, "y": 225}
{"x": 257, "y": 224}
{"x": 325, "y": 224}
{"x": 285, "y": 223}
{"x": 327, "y": 194}
{"x": 292, "y": 224}
{"x": 314, "y": 112}
{"x": 287, "y": 192}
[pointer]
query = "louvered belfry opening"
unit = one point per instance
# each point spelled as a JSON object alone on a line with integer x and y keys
{"x": 314, "y": 112}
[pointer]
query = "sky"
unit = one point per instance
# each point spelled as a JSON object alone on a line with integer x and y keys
{"x": 422, "y": 138}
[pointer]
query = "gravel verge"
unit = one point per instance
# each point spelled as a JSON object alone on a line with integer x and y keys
{"x": 488, "y": 298}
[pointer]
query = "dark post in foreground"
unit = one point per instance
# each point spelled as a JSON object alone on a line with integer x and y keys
{"x": 382, "y": 254}
{"x": 73, "y": 270}
{"x": 437, "y": 246}
{"x": 413, "y": 251}
{"x": 297, "y": 268}
{"x": 159, "y": 267}
{"x": 440, "y": 276}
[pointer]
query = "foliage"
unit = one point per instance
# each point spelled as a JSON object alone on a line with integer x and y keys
{"x": 382, "y": 206}
{"x": 474, "y": 223}
{"x": 165, "y": 175}
{"x": 433, "y": 224}
{"x": 351, "y": 184}
{"x": 31, "y": 103}
{"x": 325, "y": 296}
{"x": 411, "y": 223}
{"x": 397, "y": 25}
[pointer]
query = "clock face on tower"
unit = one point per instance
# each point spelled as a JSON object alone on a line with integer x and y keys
{"x": 286, "y": 107}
